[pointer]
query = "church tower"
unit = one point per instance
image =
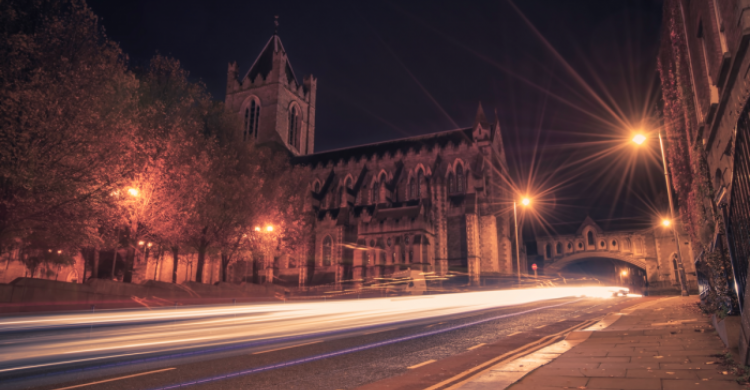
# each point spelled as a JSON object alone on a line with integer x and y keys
{"x": 271, "y": 104}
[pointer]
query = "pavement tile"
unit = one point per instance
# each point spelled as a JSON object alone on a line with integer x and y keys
{"x": 595, "y": 359}
{"x": 559, "y": 364}
{"x": 569, "y": 381}
{"x": 630, "y": 366}
{"x": 552, "y": 371}
{"x": 698, "y": 385}
{"x": 714, "y": 375}
{"x": 625, "y": 383}
{"x": 692, "y": 352}
{"x": 685, "y": 366}
{"x": 604, "y": 372}
{"x": 668, "y": 374}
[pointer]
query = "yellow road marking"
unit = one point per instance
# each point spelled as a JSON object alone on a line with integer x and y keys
{"x": 115, "y": 379}
{"x": 476, "y": 346}
{"x": 421, "y": 364}
{"x": 291, "y": 346}
{"x": 518, "y": 352}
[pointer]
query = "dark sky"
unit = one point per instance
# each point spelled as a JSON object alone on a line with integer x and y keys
{"x": 392, "y": 69}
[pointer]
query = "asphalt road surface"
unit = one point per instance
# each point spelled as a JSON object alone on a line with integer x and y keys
{"x": 328, "y": 345}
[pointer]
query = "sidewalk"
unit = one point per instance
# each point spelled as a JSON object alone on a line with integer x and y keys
{"x": 661, "y": 345}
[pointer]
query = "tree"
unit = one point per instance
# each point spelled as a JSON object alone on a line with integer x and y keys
{"x": 66, "y": 100}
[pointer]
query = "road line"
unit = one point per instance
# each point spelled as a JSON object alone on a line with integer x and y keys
{"x": 291, "y": 346}
{"x": 540, "y": 327}
{"x": 513, "y": 334}
{"x": 421, "y": 364}
{"x": 476, "y": 346}
{"x": 115, "y": 379}
{"x": 379, "y": 331}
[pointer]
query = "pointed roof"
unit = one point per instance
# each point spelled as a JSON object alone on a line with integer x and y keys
{"x": 481, "y": 119}
{"x": 589, "y": 222}
{"x": 264, "y": 63}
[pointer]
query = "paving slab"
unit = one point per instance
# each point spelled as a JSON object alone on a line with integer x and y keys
{"x": 661, "y": 344}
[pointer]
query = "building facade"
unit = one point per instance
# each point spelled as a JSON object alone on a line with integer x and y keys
{"x": 428, "y": 202}
{"x": 703, "y": 66}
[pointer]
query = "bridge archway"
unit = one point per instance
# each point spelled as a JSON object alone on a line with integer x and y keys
{"x": 559, "y": 264}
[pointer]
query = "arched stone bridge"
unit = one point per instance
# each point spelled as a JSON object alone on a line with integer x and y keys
{"x": 639, "y": 253}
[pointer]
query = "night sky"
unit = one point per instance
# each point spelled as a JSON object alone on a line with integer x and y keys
{"x": 389, "y": 70}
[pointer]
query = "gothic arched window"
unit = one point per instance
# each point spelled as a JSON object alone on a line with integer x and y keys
{"x": 590, "y": 237}
{"x": 411, "y": 192}
{"x": 420, "y": 183}
{"x": 348, "y": 183}
{"x": 335, "y": 198}
{"x": 460, "y": 180}
{"x": 251, "y": 121}
{"x": 316, "y": 188}
{"x": 375, "y": 190}
{"x": 451, "y": 183}
{"x": 294, "y": 127}
{"x": 327, "y": 250}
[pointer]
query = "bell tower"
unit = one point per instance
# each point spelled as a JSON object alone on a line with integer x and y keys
{"x": 270, "y": 102}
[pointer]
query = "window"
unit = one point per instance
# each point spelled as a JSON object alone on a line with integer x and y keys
{"x": 420, "y": 183}
{"x": 382, "y": 257}
{"x": 590, "y": 238}
{"x": 412, "y": 193}
{"x": 451, "y": 183}
{"x": 559, "y": 248}
{"x": 251, "y": 121}
{"x": 375, "y": 190}
{"x": 365, "y": 257}
{"x": 348, "y": 183}
{"x": 316, "y": 188}
{"x": 335, "y": 198}
{"x": 294, "y": 127}
{"x": 601, "y": 244}
{"x": 548, "y": 251}
{"x": 580, "y": 245}
{"x": 614, "y": 243}
{"x": 570, "y": 246}
{"x": 327, "y": 251}
{"x": 460, "y": 181}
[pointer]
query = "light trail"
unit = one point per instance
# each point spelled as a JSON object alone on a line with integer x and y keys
{"x": 65, "y": 338}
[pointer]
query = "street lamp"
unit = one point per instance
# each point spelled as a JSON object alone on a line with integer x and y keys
{"x": 525, "y": 201}
{"x": 133, "y": 192}
{"x": 639, "y": 139}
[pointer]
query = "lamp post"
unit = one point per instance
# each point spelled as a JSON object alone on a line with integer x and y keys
{"x": 525, "y": 202}
{"x": 640, "y": 139}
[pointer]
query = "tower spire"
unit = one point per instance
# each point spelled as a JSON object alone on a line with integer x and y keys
{"x": 276, "y": 25}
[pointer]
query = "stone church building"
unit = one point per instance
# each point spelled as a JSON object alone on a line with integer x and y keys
{"x": 426, "y": 202}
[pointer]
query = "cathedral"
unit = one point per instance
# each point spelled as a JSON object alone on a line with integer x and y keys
{"x": 431, "y": 202}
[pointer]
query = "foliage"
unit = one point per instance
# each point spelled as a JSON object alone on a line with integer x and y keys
{"x": 94, "y": 153}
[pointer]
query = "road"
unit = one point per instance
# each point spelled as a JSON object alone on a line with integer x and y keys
{"x": 311, "y": 345}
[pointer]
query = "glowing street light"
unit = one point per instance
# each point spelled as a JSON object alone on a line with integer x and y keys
{"x": 624, "y": 272}
{"x": 141, "y": 243}
{"x": 257, "y": 228}
{"x": 639, "y": 139}
{"x": 524, "y": 201}
{"x": 269, "y": 228}
{"x": 133, "y": 191}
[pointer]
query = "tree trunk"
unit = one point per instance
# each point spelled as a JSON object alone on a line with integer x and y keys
{"x": 201, "y": 261}
{"x": 175, "y": 263}
{"x": 224, "y": 266}
{"x": 95, "y": 266}
{"x": 129, "y": 265}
